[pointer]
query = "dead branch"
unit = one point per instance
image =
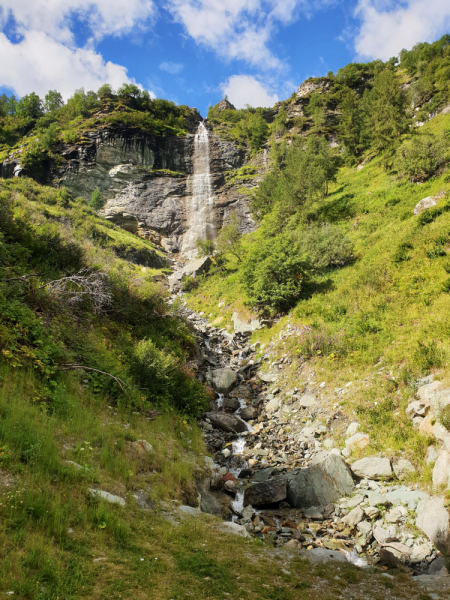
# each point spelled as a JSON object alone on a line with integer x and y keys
{"x": 21, "y": 278}
{"x": 72, "y": 289}
{"x": 120, "y": 383}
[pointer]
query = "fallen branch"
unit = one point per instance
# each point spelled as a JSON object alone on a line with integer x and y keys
{"x": 21, "y": 278}
{"x": 119, "y": 382}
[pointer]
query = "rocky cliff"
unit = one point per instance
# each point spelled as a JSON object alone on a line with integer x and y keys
{"x": 145, "y": 180}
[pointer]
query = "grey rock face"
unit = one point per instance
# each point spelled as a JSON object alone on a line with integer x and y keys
{"x": 326, "y": 480}
{"x": 372, "y": 467}
{"x": 228, "y": 423}
{"x": 266, "y": 492}
{"x": 223, "y": 380}
{"x": 434, "y": 520}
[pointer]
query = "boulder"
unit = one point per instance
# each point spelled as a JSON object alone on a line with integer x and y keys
{"x": 372, "y": 467}
{"x": 226, "y": 422}
{"x": 432, "y": 455}
{"x": 434, "y": 520}
{"x": 377, "y": 499}
{"x": 425, "y": 204}
{"x": 241, "y": 326}
{"x": 357, "y": 441}
{"x": 384, "y": 535}
{"x": 266, "y": 492}
{"x": 372, "y": 512}
{"x": 417, "y": 408}
{"x": 241, "y": 391}
{"x": 324, "y": 481}
{"x": 222, "y": 380}
{"x": 441, "y": 470}
{"x": 354, "y": 517}
{"x": 273, "y": 405}
{"x": 403, "y": 468}
{"x": 97, "y": 494}
{"x": 395, "y": 554}
{"x": 248, "y": 413}
{"x": 232, "y": 404}
{"x": 353, "y": 428}
{"x": 192, "y": 269}
{"x": 419, "y": 552}
{"x": 306, "y": 401}
{"x": 267, "y": 377}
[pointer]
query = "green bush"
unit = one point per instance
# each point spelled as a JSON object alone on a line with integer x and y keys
{"x": 444, "y": 417}
{"x": 402, "y": 252}
{"x": 273, "y": 273}
{"x": 189, "y": 283}
{"x": 205, "y": 247}
{"x": 421, "y": 156}
{"x": 326, "y": 246}
{"x": 97, "y": 202}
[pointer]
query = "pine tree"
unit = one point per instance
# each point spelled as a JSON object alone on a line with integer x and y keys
{"x": 351, "y": 129}
{"x": 97, "y": 201}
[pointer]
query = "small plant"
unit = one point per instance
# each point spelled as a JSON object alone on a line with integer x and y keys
{"x": 428, "y": 355}
{"x": 205, "y": 248}
{"x": 436, "y": 252}
{"x": 189, "y": 283}
{"x": 97, "y": 202}
{"x": 402, "y": 252}
{"x": 444, "y": 417}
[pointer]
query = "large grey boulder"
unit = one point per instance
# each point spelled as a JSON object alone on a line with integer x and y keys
{"x": 372, "y": 467}
{"x": 434, "y": 520}
{"x": 426, "y": 203}
{"x": 226, "y": 422}
{"x": 222, "y": 380}
{"x": 327, "y": 479}
{"x": 192, "y": 269}
{"x": 403, "y": 468}
{"x": 441, "y": 470}
{"x": 266, "y": 492}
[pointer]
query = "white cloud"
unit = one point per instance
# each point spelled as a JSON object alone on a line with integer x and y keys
{"x": 172, "y": 68}
{"x": 40, "y": 63}
{"x": 240, "y": 29}
{"x": 46, "y": 56}
{"x": 245, "y": 89}
{"x": 387, "y": 27}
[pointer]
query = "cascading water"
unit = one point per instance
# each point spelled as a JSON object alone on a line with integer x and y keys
{"x": 200, "y": 215}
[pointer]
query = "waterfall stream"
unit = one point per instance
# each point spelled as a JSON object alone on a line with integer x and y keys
{"x": 199, "y": 211}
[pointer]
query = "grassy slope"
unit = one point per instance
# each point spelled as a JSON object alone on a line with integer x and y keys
{"x": 378, "y": 311}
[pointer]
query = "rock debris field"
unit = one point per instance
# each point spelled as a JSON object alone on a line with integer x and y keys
{"x": 277, "y": 474}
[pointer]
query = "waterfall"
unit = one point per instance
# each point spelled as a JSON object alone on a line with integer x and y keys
{"x": 200, "y": 215}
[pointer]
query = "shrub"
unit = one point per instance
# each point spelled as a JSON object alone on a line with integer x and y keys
{"x": 205, "y": 247}
{"x": 189, "y": 283}
{"x": 229, "y": 238}
{"x": 97, "y": 201}
{"x": 273, "y": 273}
{"x": 326, "y": 246}
{"x": 444, "y": 417}
{"x": 319, "y": 342}
{"x": 402, "y": 252}
{"x": 428, "y": 356}
{"x": 421, "y": 156}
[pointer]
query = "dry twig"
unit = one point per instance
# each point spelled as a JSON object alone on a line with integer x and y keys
{"x": 93, "y": 285}
{"x": 68, "y": 367}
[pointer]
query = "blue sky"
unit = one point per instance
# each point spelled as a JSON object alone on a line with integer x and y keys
{"x": 196, "y": 51}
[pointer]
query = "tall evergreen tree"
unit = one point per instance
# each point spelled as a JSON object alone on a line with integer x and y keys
{"x": 351, "y": 129}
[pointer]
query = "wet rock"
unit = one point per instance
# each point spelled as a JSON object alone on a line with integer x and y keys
{"x": 266, "y": 492}
{"x": 245, "y": 474}
{"x": 226, "y": 422}
{"x": 313, "y": 513}
{"x": 403, "y": 468}
{"x": 99, "y": 494}
{"x": 222, "y": 380}
{"x": 434, "y": 520}
{"x": 357, "y": 441}
{"x": 248, "y": 413}
{"x": 226, "y": 452}
{"x": 372, "y": 467}
{"x": 264, "y": 474}
{"x": 325, "y": 480}
{"x": 230, "y": 486}
{"x": 354, "y": 517}
{"x": 231, "y": 404}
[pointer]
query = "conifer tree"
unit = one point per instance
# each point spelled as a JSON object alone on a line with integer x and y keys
{"x": 351, "y": 129}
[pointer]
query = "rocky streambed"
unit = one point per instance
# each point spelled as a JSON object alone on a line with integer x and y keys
{"x": 276, "y": 474}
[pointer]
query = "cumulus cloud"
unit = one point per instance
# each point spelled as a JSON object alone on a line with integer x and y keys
{"x": 172, "y": 68}
{"x": 46, "y": 55}
{"x": 240, "y": 29}
{"x": 245, "y": 89}
{"x": 387, "y": 27}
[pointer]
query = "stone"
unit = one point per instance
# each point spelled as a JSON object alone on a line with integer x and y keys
{"x": 376, "y": 499}
{"x": 364, "y": 527}
{"x": 425, "y": 392}
{"x": 434, "y": 520}
{"x": 441, "y": 470}
{"x": 267, "y": 377}
{"x": 357, "y": 441}
{"x": 264, "y": 474}
{"x": 241, "y": 391}
{"x": 372, "y": 512}
{"x": 432, "y": 455}
{"x": 394, "y": 515}
{"x": 192, "y": 269}
{"x": 313, "y": 513}
{"x": 417, "y": 408}
{"x": 230, "y": 486}
{"x": 231, "y": 404}
{"x": 222, "y": 380}
{"x": 328, "y": 444}
{"x": 241, "y": 326}
{"x": 403, "y": 495}
{"x": 292, "y": 544}
{"x": 234, "y": 528}
{"x": 352, "y": 429}
{"x": 190, "y": 510}
{"x": 106, "y": 496}
{"x": 226, "y": 422}
{"x": 425, "y": 204}
{"x": 372, "y": 467}
{"x": 75, "y": 465}
{"x": 395, "y": 554}
{"x": 403, "y": 468}
{"x": 354, "y": 517}
{"x": 332, "y": 544}
{"x": 273, "y": 405}
{"x": 248, "y": 413}
{"x": 355, "y": 501}
{"x": 265, "y": 492}
{"x": 420, "y": 552}
{"x": 384, "y": 535}
{"x": 226, "y": 452}
{"x": 306, "y": 401}
{"x": 325, "y": 480}
{"x": 426, "y": 426}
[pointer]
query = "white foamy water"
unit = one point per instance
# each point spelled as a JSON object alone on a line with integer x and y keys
{"x": 220, "y": 401}
{"x": 200, "y": 215}
{"x": 238, "y": 446}
{"x": 238, "y": 503}
{"x": 242, "y": 404}
{"x": 354, "y": 558}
